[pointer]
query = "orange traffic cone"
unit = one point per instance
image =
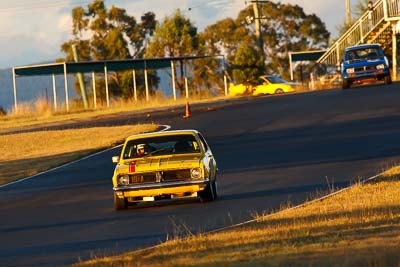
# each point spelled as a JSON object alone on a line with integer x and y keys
{"x": 187, "y": 113}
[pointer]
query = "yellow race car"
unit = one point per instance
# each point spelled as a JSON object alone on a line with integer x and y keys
{"x": 271, "y": 84}
{"x": 239, "y": 89}
{"x": 164, "y": 165}
{"x": 267, "y": 84}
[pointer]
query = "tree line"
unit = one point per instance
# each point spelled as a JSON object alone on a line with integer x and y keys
{"x": 108, "y": 33}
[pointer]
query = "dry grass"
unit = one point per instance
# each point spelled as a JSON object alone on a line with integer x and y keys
{"x": 26, "y": 154}
{"x": 357, "y": 227}
{"x": 39, "y": 112}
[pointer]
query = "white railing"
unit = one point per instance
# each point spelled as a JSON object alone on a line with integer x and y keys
{"x": 362, "y": 31}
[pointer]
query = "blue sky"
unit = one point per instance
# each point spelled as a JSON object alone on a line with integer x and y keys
{"x": 32, "y": 31}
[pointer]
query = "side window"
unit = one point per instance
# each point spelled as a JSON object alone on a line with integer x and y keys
{"x": 203, "y": 141}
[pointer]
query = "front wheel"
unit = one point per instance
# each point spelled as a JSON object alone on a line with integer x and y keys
{"x": 120, "y": 203}
{"x": 345, "y": 84}
{"x": 388, "y": 79}
{"x": 210, "y": 192}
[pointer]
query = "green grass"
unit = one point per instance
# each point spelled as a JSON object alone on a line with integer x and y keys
{"x": 26, "y": 154}
{"x": 357, "y": 227}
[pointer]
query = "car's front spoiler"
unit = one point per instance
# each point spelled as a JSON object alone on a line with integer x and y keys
{"x": 161, "y": 185}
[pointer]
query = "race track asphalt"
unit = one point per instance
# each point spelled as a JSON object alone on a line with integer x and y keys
{"x": 270, "y": 151}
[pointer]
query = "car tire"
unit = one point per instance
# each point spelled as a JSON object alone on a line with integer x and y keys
{"x": 279, "y": 91}
{"x": 388, "y": 79}
{"x": 345, "y": 84}
{"x": 120, "y": 203}
{"x": 210, "y": 192}
{"x": 215, "y": 188}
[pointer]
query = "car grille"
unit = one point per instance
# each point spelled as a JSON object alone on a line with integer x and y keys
{"x": 365, "y": 68}
{"x": 159, "y": 177}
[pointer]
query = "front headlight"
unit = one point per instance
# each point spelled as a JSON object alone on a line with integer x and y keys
{"x": 350, "y": 70}
{"x": 380, "y": 67}
{"x": 123, "y": 180}
{"x": 195, "y": 173}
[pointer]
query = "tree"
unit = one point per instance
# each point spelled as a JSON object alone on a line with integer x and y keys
{"x": 250, "y": 62}
{"x": 360, "y": 8}
{"x": 230, "y": 37}
{"x": 107, "y": 34}
{"x": 175, "y": 36}
{"x": 286, "y": 28}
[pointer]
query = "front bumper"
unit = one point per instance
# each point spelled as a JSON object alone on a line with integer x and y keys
{"x": 157, "y": 189}
{"x": 367, "y": 75}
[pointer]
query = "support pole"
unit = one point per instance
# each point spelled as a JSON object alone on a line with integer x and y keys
{"x": 173, "y": 79}
{"x": 15, "y": 92}
{"x": 226, "y": 85}
{"x": 361, "y": 32}
{"x": 106, "y": 81}
{"x": 94, "y": 90}
{"x": 80, "y": 78}
{"x": 348, "y": 13}
{"x": 134, "y": 84}
{"x": 394, "y": 52}
{"x": 291, "y": 66}
{"x": 54, "y": 92}
{"x": 257, "y": 18}
{"x": 385, "y": 9}
{"x": 147, "y": 84}
{"x": 337, "y": 54}
{"x": 225, "y": 78}
{"x": 66, "y": 86}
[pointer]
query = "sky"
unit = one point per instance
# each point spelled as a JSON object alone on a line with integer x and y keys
{"x": 32, "y": 31}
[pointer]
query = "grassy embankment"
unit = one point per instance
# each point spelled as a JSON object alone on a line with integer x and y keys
{"x": 357, "y": 227}
{"x": 26, "y": 154}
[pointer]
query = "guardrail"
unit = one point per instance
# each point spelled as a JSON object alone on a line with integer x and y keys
{"x": 371, "y": 27}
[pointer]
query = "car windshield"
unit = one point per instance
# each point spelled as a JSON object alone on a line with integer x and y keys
{"x": 362, "y": 54}
{"x": 275, "y": 79}
{"x": 162, "y": 145}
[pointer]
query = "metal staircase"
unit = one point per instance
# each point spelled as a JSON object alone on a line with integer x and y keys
{"x": 375, "y": 26}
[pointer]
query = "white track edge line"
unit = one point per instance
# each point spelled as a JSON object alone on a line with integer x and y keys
{"x": 165, "y": 128}
{"x": 296, "y": 207}
{"x": 270, "y": 215}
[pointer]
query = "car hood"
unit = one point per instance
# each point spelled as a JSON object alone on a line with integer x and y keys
{"x": 160, "y": 163}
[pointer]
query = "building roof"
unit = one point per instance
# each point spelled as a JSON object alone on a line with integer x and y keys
{"x": 306, "y": 55}
{"x": 98, "y": 66}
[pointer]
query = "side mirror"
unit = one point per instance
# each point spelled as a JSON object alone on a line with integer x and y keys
{"x": 115, "y": 159}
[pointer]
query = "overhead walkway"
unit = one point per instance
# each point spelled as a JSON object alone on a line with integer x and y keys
{"x": 379, "y": 25}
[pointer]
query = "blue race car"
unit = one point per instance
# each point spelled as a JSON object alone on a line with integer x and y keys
{"x": 363, "y": 64}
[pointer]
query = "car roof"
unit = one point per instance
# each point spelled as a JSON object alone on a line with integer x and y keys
{"x": 361, "y": 46}
{"x": 162, "y": 133}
